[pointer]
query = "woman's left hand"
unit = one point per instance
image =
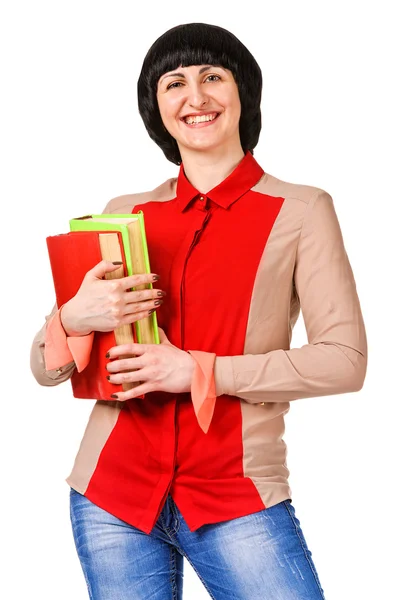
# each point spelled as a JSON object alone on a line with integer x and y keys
{"x": 160, "y": 367}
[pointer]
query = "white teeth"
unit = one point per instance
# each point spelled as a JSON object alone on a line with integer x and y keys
{"x": 199, "y": 119}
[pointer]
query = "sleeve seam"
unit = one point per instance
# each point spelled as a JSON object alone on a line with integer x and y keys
{"x": 309, "y": 207}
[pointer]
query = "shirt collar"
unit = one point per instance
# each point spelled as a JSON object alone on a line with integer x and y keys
{"x": 246, "y": 174}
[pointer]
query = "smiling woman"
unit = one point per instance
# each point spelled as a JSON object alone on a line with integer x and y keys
{"x": 200, "y": 108}
{"x": 191, "y": 462}
{"x": 218, "y": 73}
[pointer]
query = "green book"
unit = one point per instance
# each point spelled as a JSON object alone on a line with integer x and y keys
{"x": 132, "y": 229}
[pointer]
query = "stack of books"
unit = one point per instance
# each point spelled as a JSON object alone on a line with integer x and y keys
{"x": 92, "y": 238}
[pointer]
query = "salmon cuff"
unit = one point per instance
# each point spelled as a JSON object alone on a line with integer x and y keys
{"x": 203, "y": 392}
{"x": 60, "y": 349}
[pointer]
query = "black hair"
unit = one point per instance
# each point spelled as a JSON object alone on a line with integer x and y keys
{"x": 200, "y": 44}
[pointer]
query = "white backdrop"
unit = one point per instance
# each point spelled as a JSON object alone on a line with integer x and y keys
{"x": 72, "y": 138}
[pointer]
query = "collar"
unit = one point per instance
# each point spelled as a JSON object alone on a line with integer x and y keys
{"x": 246, "y": 174}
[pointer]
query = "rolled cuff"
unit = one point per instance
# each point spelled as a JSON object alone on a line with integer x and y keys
{"x": 60, "y": 349}
{"x": 203, "y": 391}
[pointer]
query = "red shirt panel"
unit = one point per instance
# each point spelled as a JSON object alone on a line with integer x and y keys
{"x": 207, "y": 253}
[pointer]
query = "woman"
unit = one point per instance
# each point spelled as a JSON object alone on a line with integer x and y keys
{"x": 197, "y": 467}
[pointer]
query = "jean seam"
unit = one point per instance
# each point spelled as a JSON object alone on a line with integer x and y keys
{"x": 169, "y": 532}
{"x": 193, "y": 566}
{"x": 176, "y": 516}
{"x": 316, "y": 578}
{"x": 173, "y": 572}
{"x": 179, "y": 549}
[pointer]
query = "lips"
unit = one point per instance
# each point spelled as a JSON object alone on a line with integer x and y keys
{"x": 194, "y": 119}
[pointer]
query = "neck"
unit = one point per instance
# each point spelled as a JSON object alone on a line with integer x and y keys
{"x": 205, "y": 170}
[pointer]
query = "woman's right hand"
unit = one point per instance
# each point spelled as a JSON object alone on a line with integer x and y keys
{"x": 104, "y": 305}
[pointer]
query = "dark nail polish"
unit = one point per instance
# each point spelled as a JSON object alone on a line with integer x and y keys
{"x": 158, "y": 302}
{"x": 117, "y": 262}
{"x": 108, "y": 377}
{"x": 161, "y": 294}
{"x": 107, "y": 355}
{"x": 151, "y": 311}
{"x": 114, "y": 396}
{"x": 156, "y": 278}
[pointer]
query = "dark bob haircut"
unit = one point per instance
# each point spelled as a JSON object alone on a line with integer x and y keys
{"x": 200, "y": 44}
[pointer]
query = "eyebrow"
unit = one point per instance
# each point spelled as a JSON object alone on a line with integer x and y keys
{"x": 202, "y": 70}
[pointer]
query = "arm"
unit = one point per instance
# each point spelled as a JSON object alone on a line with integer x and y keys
{"x": 54, "y": 354}
{"x": 334, "y": 361}
{"x": 43, "y": 375}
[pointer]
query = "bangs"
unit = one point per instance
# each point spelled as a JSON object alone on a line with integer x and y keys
{"x": 196, "y": 45}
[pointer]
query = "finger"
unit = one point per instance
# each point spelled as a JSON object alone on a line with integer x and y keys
{"x": 143, "y": 295}
{"x": 130, "y": 318}
{"x": 132, "y": 349}
{"x": 105, "y": 266}
{"x": 126, "y": 364}
{"x": 141, "y": 307}
{"x": 141, "y": 375}
{"x": 135, "y": 392}
{"x": 132, "y": 281}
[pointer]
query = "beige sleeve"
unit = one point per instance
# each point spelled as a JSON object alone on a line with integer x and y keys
{"x": 37, "y": 363}
{"x": 335, "y": 359}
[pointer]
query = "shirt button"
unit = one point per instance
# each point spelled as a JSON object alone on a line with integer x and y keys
{"x": 202, "y": 198}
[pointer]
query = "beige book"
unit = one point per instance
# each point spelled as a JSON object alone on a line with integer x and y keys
{"x": 111, "y": 250}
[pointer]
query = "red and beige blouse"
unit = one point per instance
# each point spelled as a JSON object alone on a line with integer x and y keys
{"x": 238, "y": 264}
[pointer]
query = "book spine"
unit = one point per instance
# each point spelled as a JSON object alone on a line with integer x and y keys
{"x": 153, "y": 317}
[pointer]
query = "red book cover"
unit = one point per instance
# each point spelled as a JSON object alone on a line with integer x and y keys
{"x": 71, "y": 256}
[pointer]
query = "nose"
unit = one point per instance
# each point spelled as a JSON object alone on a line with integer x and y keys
{"x": 197, "y": 97}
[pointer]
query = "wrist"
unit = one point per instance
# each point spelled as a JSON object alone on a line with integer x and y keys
{"x": 191, "y": 369}
{"x": 70, "y": 327}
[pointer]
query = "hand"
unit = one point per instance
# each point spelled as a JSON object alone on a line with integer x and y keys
{"x": 104, "y": 305}
{"x": 160, "y": 367}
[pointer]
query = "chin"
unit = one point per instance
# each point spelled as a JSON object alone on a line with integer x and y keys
{"x": 203, "y": 145}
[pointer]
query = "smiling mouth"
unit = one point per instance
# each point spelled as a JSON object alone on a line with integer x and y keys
{"x": 193, "y": 120}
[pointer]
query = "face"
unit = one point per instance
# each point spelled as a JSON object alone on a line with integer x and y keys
{"x": 200, "y": 107}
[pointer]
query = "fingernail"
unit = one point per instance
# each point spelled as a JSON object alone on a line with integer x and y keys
{"x": 117, "y": 262}
{"x": 114, "y": 396}
{"x": 156, "y": 278}
{"x": 151, "y": 311}
{"x": 158, "y": 302}
{"x": 161, "y": 293}
{"x": 108, "y": 377}
{"x": 108, "y": 355}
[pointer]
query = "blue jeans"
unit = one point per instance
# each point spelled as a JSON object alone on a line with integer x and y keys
{"x": 262, "y": 556}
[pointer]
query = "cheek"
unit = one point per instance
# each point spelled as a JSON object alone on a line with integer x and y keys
{"x": 231, "y": 100}
{"x": 237, "y": 104}
{"x": 168, "y": 108}
{"x": 235, "y": 111}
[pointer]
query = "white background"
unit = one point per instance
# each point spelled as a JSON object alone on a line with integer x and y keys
{"x": 72, "y": 138}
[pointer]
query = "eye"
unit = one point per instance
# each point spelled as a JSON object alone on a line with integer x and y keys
{"x": 213, "y": 78}
{"x": 174, "y": 84}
